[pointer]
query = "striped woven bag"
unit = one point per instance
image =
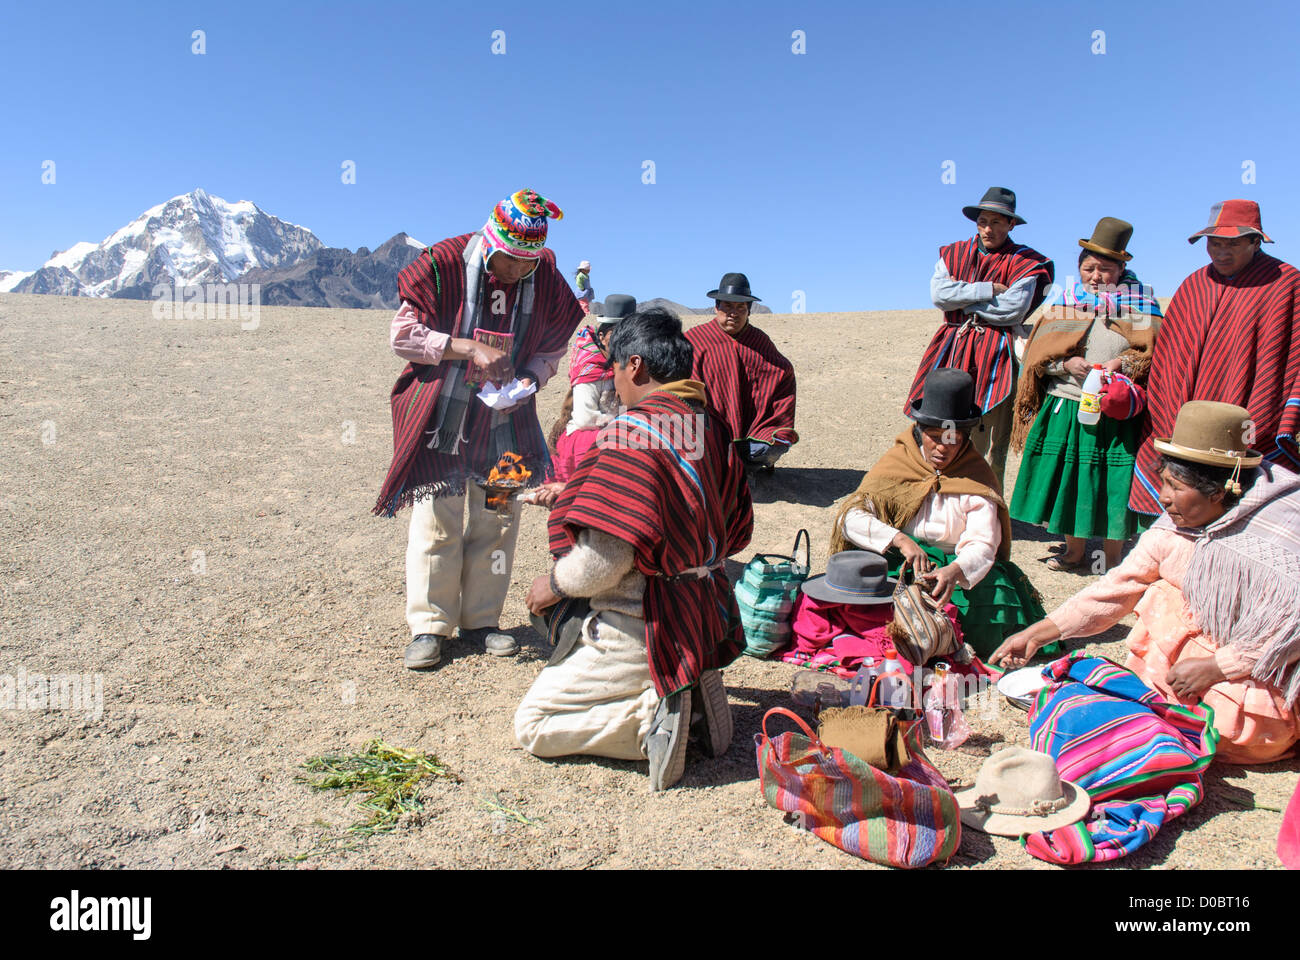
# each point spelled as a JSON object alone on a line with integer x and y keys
{"x": 910, "y": 820}
{"x": 766, "y": 595}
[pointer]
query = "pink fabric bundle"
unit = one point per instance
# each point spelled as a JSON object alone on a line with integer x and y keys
{"x": 569, "y": 450}
{"x": 1288, "y": 838}
{"x": 844, "y": 634}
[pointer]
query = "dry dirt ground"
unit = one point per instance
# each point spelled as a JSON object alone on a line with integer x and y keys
{"x": 186, "y": 512}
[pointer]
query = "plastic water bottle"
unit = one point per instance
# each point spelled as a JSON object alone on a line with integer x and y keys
{"x": 1090, "y": 402}
{"x": 893, "y": 689}
{"x": 860, "y": 690}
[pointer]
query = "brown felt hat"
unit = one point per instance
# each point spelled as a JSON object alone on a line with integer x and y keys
{"x": 1110, "y": 238}
{"x": 1207, "y": 431}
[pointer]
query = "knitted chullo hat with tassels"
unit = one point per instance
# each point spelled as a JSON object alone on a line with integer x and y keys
{"x": 517, "y": 225}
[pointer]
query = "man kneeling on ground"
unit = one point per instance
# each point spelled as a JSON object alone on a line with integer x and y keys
{"x": 642, "y": 530}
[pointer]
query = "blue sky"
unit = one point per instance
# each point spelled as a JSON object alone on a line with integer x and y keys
{"x": 819, "y": 172}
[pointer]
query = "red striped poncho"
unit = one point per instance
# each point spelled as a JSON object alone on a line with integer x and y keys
{"x": 639, "y": 484}
{"x": 1231, "y": 339}
{"x": 750, "y": 384}
{"x": 965, "y": 341}
{"x": 438, "y": 296}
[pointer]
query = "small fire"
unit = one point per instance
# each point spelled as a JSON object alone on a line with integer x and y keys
{"x": 505, "y": 479}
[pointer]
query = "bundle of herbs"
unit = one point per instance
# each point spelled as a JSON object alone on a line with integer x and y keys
{"x": 388, "y": 776}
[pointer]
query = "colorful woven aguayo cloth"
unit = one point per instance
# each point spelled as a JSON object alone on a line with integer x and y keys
{"x": 1139, "y": 757}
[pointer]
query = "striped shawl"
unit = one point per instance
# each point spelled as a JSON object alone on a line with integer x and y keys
{"x": 966, "y": 342}
{"x": 750, "y": 384}
{"x": 1243, "y": 583}
{"x": 1235, "y": 340}
{"x": 442, "y": 435}
{"x": 640, "y": 484}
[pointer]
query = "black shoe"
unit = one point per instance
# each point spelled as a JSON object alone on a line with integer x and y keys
{"x": 495, "y": 642}
{"x": 424, "y": 651}
{"x": 712, "y": 724}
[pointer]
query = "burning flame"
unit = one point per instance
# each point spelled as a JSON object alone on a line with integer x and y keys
{"x": 505, "y": 478}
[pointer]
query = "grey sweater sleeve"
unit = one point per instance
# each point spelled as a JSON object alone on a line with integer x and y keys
{"x": 595, "y": 565}
{"x": 949, "y": 294}
{"x": 1007, "y": 309}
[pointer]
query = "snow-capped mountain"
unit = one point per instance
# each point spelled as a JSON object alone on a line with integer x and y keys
{"x": 11, "y": 278}
{"x": 190, "y": 239}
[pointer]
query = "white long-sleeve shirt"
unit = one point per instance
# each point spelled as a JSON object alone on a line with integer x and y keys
{"x": 594, "y": 405}
{"x": 958, "y": 523}
{"x": 1007, "y": 309}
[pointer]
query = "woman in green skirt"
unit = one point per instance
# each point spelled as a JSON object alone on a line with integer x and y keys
{"x": 1075, "y": 477}
{"x": 932, "y": 503}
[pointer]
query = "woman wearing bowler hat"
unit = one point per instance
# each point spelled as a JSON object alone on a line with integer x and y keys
{"x": 1215, "y": 584}
{"x": 932, "y": 503}
{"x": 1075, "y": 477}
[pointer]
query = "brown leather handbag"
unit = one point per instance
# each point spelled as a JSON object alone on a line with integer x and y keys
{"x": 924, "y": 630}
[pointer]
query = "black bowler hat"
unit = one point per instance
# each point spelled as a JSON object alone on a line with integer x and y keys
{"x": 734, "y": 288}
{"x": 617, "y": 306}
{"x": 853, "y": 576}
{"x": 996, "y": 200}
{"x": 947, "y": 399}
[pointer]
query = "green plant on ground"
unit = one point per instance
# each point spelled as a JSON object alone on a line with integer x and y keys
{"x": 389, "y": 777}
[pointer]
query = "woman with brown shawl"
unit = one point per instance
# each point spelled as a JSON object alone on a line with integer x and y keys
{"x": 1075, "y": 477}
{"x": 932, "y": 503}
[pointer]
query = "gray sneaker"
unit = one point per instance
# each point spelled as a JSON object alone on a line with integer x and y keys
{"x": 711, "y": 721}
{"x": 424, "y": 651}
{"x": 666, "y": 742}
{"x": 495, "y": 642}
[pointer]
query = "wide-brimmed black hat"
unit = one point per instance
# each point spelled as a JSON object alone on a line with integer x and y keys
{"x": 734, "y": 288}
{"x": 853, "y": 576}
{"x": 996, "y": 200}
{"x": 947, "y": 398}
{"x": 617, "y": 306}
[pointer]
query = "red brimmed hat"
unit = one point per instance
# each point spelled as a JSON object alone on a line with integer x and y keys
{"x": 1232, "y": 218}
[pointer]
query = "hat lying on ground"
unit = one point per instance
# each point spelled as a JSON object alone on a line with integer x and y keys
{"x": 1019, "y": 791}
{"x": 996, "y": 200}
{"x": 853, "y": 576}
{"x": 1232, "y": 218}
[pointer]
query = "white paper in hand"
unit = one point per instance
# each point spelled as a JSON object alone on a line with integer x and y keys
{"x": 507, "y": 395}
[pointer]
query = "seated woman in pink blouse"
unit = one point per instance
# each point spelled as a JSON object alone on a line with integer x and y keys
{"x": 1215, "y": 584}
{"x": 932, "y": 503}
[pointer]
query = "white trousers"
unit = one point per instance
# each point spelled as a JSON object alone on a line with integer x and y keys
{"x": 458, "y": 572}
{"x": 598, "y": 700}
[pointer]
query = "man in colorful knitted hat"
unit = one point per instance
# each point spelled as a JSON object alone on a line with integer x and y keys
{"x": 986, "y": 286}
{"x": 479, "y": 311}
{"x": 1230, "y": 334}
